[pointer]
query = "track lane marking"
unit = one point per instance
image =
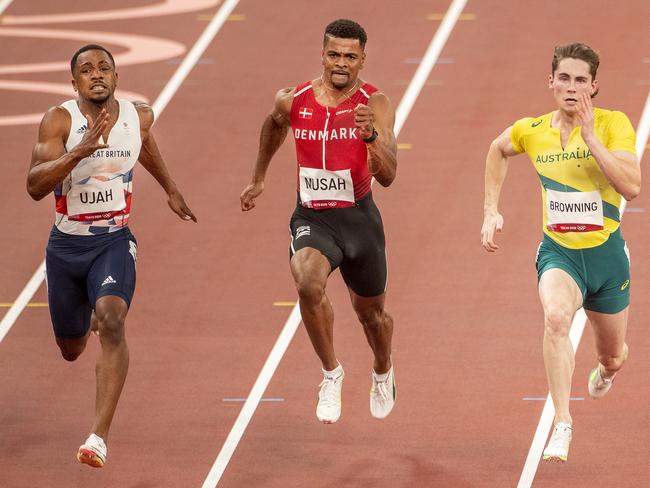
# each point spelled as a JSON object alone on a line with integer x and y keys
{"x": 3, "y": 6}
{"x": 575, "y": 334}
{"x": 158, "y": 106}
{"x": 288, "y": 331}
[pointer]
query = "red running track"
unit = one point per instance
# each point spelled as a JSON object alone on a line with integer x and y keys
{"x": 467, "y": 344}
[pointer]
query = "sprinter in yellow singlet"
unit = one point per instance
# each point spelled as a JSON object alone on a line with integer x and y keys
{"x": 586, "y": 162}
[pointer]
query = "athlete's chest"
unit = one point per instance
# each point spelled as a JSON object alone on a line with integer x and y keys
{"x": 317, "y": 122}
{"x": 566, "y": 159}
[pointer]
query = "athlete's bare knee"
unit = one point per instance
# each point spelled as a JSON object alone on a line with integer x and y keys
{"x": 111, "y": 328}
{"x": 310, "y": 292}
{"x": 612, "y": 363}
{"x": 557, "y": 323}
{"x": 70, "y": 355}
{"x": 71, "y": 352}
{"x": 374, "y": 318}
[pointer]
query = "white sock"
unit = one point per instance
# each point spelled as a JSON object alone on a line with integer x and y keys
{"x": 335, "y": 373}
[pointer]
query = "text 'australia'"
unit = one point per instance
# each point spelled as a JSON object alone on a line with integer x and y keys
{"x": 564, "y": 156}
{"x": 328, "y": 135}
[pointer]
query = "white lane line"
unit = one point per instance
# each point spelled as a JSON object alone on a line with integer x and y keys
{"x": 577, "y": 327}
{"x": 21, "y": 302}
{"x": 158, "y": 106}
{"x": 291, "y": 325}
{"x": 3, "y": 5}
{"x": 193, "y": 56}
{"x": 430, "y": 57}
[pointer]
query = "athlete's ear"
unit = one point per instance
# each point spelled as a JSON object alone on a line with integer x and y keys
{"x": 550, "y": 80}
{"x": 74, "y": 85}
{"x": 594, "y": 89}
{"x": 363, "y": 59}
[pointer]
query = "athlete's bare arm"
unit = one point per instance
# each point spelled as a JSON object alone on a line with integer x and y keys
{"x": 621, "y": 168}
{"x": 274, "y": 131}
{"x": 151, "y": 159}
{"x": 50, "y": 163}
{"x": 382, "y": 152}
{"x": 496, "y": 167}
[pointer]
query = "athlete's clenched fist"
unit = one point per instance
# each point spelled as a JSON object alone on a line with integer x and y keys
{"x": 364, "y": 120}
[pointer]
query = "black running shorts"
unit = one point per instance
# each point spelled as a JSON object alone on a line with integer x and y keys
{"x": 351, "y": 238}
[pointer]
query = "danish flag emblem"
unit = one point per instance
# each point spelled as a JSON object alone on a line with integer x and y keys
{"x": 305, "y": 113}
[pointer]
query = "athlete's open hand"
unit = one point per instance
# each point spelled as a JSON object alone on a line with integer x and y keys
{"x": 364, "y": 120}
{"x": 585, "y": 111}
{"x": 492, "y": 222}
{"x": 177, "y": 203}
{"x": 90, "y": 141}
{"x": 250, "y": 193}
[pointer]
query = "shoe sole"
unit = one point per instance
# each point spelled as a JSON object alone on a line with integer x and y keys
{"x": 89, "y": 457}
{"x": 555, "y": 459}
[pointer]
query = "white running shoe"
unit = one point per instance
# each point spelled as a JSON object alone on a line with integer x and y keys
{"x": 597, "y": 385}
{"x": 382, "y": 395}
{"x": 93, "y": 452}
{"x": 328, "y": 409}
{"x": 557, "y": 449}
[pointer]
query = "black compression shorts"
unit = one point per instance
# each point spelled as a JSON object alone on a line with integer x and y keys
{"x": 351, "y": 238}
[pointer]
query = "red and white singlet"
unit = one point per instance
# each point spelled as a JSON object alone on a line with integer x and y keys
{"x": 332, "y": 158}
{"x": 95, "y": 198}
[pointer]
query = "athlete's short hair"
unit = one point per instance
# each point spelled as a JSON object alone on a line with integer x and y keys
{"x": 345, "y": 29}
{"x": 89, "y": 47}
{"x": 577, "y": 50}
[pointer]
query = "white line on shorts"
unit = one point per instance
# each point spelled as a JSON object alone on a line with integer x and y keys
{"x": 158, "y": 106}
{"x": 292, "y": 323}
{"x": 577, "y": 327}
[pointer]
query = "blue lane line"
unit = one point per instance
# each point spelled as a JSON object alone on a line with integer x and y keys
{"x": 242, "y": 399}
{"x": 541, "y": 399}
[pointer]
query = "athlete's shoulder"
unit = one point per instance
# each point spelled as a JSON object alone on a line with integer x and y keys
{"x": 534, "y": 124}
{"x": 145, "y": 113}
{"x": 56, "y": 120}
{"x": 606, "y": 116}
{"x": 369, "y": 88}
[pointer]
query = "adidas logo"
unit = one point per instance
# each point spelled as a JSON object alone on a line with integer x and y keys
{"x": 109, "y": 279}
{"x": 82, "y": 129}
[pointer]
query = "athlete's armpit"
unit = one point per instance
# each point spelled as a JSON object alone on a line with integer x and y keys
{"x": 504, "y": 144}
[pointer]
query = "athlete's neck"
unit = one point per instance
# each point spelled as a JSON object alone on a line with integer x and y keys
{"x": 331, "y": 95}
{"x": 565, "y": 120}
{"x": 93, "y": 108}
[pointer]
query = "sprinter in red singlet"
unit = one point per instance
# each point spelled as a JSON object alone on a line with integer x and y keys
{"x": 343, "y": 128}
{"x": 85, "y": 155}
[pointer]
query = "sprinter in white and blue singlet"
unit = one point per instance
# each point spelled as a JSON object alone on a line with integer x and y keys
{"x": 343, "y": 129}
{"x": 85, "y": 155}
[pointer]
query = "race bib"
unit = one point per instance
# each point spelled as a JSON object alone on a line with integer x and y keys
{"x": 96, "y": 200}
{"x": 574, "y": 211}
{"x": 320, "y": 188}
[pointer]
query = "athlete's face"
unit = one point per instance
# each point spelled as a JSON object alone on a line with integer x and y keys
{"x": 342, "y": 60}
{"x": 94, "y": 76}
{"x": 570, "y": 80}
